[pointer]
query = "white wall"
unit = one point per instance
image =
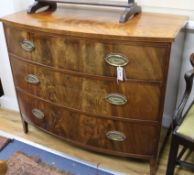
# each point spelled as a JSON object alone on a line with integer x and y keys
{"x": 179, "y": 4}
{"x": 21, "y": 4}
{"x": 9, "y": 99}
{"x": 180, "y": 7}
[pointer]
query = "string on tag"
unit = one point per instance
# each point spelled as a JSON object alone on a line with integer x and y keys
{"x": 121, "y": 74}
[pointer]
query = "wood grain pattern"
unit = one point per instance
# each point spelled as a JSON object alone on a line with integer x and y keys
{"x": 10, "y": 122}
{"x": 87, "y": 56}
{"x": 88, "y": 95}
{"x": 74, "y": 78}
{"x": 101, "y": 23}
{"x": 88, "y": 131}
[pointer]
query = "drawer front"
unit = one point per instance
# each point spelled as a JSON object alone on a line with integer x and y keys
{"x": 95, "y": 133}
{"x": 14, "y": 40}
{"x": 99, "y": 97}
{"x": 89, "y": 56}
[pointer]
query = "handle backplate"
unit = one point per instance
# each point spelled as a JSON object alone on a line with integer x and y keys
{"x": 38, "y": 113}
{"x": 115, "y": 136}
{"x": 27, "y": 45}
{"x": 116, "y": 99}
{"x": 32, "y": 79}
{"x": 116, "y": 60}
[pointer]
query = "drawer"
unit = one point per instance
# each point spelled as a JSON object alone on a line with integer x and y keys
{"x": 104, "y": 135}
{"x": 94, "y": 96}
{"x": 89, "y": 56}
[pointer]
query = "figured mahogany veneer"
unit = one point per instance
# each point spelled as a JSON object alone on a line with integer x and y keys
{"x": 90, "y": 131}
{"x": 66, "y": 85}
{"x": 87, "y": 55}
{"x": 88, "y": 94}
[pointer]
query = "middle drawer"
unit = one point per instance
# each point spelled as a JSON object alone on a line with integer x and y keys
{"x": 91, "y": 95}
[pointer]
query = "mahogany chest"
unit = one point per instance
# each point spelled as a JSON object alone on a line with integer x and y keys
{"x": 65, "y": 66}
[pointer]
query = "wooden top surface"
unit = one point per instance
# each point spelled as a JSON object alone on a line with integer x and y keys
{"x": 101, "y": 23}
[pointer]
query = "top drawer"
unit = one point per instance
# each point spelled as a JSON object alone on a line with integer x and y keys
{"x": 88, "y": 56}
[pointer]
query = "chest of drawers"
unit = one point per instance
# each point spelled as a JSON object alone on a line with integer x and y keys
{"x": 64, "y": 70}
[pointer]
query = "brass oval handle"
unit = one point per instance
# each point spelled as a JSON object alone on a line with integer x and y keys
{"x": 116, "y": 136}
{"x": 32, "y": 79}
{"x": 38, "y": 113}
{"x": 27, "y": 45}
{"x": 116, "y": 99}
{"x": 116, "y": 60}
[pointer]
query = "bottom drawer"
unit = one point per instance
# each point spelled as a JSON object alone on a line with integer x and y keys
{"x": 100, "y": 134}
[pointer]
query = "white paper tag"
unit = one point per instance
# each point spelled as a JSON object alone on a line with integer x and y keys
{"x": 120, "y": 73}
